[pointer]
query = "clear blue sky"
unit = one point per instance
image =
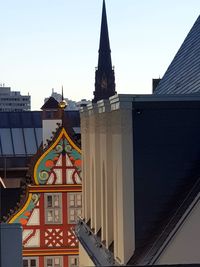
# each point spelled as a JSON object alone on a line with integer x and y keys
{"x": 49, "y": 43}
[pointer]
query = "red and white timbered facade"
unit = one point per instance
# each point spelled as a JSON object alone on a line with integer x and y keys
{"x": 53, "y": 202}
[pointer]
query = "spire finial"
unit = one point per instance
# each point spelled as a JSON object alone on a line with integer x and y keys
{"x": 104, "y": 44}
{"x": 62, "y": 93}
{"x": 62, "y": 103}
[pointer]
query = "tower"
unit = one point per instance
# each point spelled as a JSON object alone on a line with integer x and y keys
{"x": 104, "y": 75}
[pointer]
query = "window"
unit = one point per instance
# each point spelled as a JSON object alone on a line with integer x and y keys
{"x": 53, "y": 208}
{"x": 74, "y": 206}
{"x": 73, "y": 261}
{"x": 30, "y": 262}
{"x": 53, "y": 261}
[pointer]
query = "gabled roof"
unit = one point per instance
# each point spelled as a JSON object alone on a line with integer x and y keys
{"x": 51, "y": 103}
{"x": 27, "y": 125}
{"x": 183, "y": 74}
{"x": 71, "y": 118}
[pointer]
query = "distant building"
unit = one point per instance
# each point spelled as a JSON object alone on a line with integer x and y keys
{"x": 82, "y": 103}
{"x": 13, "y": 100}
{"x": 71, "y": 105}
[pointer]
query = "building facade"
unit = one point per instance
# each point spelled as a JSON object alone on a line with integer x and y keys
{"x": 141, "y": 169}
{"x": 13, "y": 100}
{"x": 52, "y": 200}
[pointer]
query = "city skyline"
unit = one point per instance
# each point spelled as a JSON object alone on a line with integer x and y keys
{"x": 47, "y": 45}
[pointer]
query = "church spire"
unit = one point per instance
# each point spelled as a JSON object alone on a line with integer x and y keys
{"x": 104, "y": 75}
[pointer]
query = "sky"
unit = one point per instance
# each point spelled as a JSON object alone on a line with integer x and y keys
{"x": 48, "y": 44}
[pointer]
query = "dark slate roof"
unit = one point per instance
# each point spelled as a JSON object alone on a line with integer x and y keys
{"x": 72, "y": 117}
{"x": 23, "y": 119}
{"x": 183, "y": 74}
{"x": 51, "y": 103}
{"x": 166, "y": 168}
{"x": 21, "y": 132}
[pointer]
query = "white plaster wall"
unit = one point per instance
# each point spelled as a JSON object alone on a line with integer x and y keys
{"x": 84, "y": 159}
{"x": 91, "y": 176}
{"x": 48, "y": 126}
{"x": 109, "y": 187}
{"x": 92, "y": 173}
{"x": 97, "y": 176}
{"x": 122, "y": 156}
{"x": 103, "y": 178}
{"x": 84, "y": 259}
{"x": 185, "y": 245}
{"x": 107, "y": 224}
{"x": 108, "y": 170}
{"x": 87, "y": 171}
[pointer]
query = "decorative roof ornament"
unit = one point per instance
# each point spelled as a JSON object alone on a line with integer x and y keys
{"x": 63, "y": 103}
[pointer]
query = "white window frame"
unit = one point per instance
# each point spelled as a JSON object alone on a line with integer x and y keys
{"x": 73, "y": 261}
{"x": 53, "y": 259}
{"x": 55, "y": 210}
{"x": 74, "y": 206}
{"x": 29, "y": 261}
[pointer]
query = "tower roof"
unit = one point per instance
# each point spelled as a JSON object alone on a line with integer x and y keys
{"x": 104, "y": 75}
{"x": 182, "y": 75}
{"x": 104, "y": 62}
{"x": 51, "y": 103}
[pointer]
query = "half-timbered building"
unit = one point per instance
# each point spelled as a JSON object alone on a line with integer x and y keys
{"x": 53, "y": 197}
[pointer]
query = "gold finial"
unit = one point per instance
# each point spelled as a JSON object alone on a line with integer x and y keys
{"x": 62, "y": 103}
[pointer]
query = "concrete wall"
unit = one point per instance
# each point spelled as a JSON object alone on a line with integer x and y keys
{"x": 183, "y": 248}
{"x": 108, "y": 191}
{"x": 123, "y": 184}
{"x": 84, "y": 259}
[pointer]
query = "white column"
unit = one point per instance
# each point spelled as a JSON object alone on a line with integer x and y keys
{"x": 123, "y": 183}
{"x": 106, "y": 172}
{"x": 85, "y": 148}
{"x": 97, "y": 174}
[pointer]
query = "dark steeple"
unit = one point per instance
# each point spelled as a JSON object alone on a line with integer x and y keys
{"x": 104, "y": 75}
